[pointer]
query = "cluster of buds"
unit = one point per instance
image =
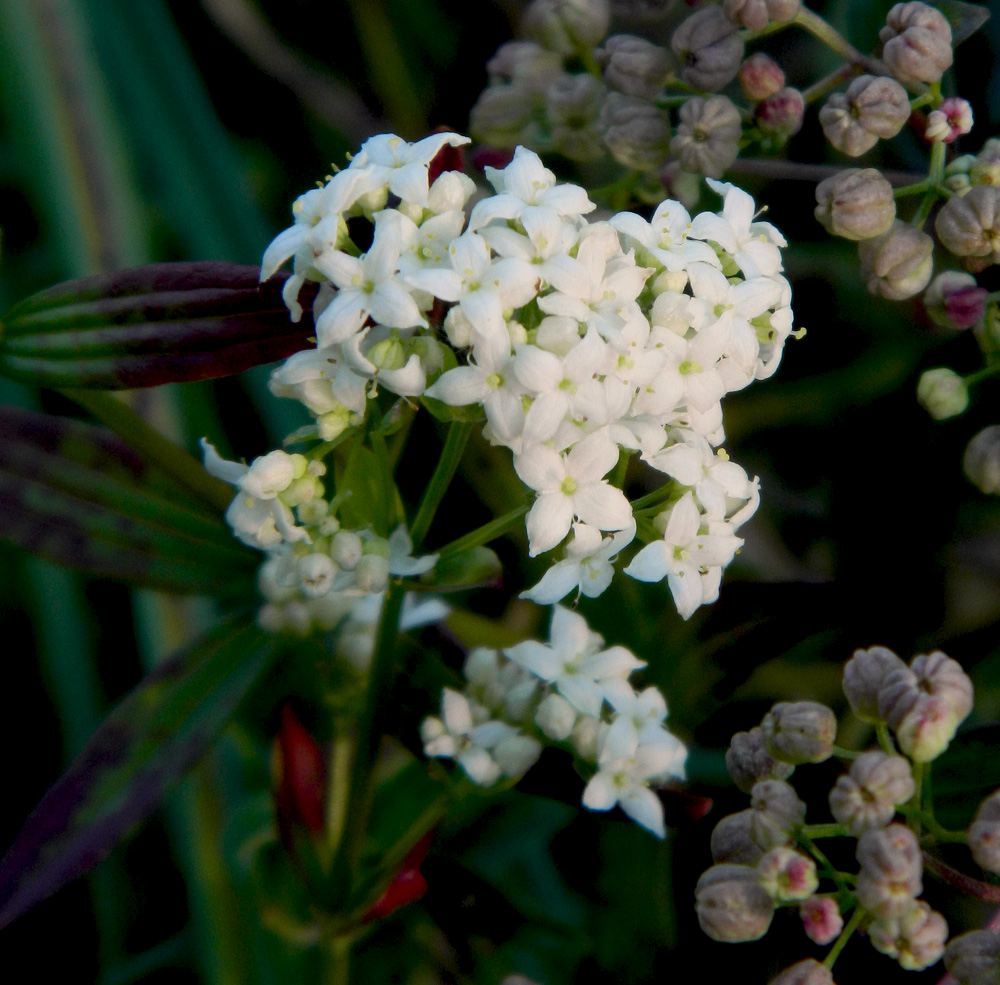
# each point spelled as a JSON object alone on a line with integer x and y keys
{"x": 766, "y": 856}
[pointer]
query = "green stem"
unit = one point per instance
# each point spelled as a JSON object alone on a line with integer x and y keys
{"x": 845, "y": 936}
{"x": 484, "y": 534}
{"x": 337, "y": 959}
{"x": 151, "y": 445}
{"x": 819, "y": 28}
{"x": 656, "y": 496}
{"x": 884, "y": 738}
{"x": 845, "y": 753}
{"x": 828, "y": 83}
{"x": 831, "y": 830}
{"x": 451, "y": 455}
{"x": 981, "y": 374}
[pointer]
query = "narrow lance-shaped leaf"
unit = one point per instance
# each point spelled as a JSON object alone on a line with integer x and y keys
{"x": 150, "y": 740}
{"x": 159, "y": 323}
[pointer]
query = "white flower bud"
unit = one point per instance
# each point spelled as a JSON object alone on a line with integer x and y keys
{"x": 897, "y": 264}
{"x": 346, "y": 549}
{"x": 982, "y": 460}
{"x": 586, "y": 737}
{"x": 556, "y": 717}
{"x": 636, "y": 133}
{"x": 708, "y": 135}
{"x": 914, "y": 938}
{"x": 271, "y": 474}
{"x": 916, "y": 43}
{"x": 372, "y": 573}
{"x": 708, "y": 48}
{"x": 315, "y": 573}
{"x": 871, "y": 108}
{"x": 942, "y": 393}
{"x": 573, "y": 104}
{"x": 856, "y": 203}
{"x": 634, "y": 66}
{"x": 565, "y": 25}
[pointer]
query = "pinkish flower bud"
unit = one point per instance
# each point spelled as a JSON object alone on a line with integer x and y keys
{"x": 856, "y": 204}
{"x": 864, "y": 675}
{"x": 984, "y": 834}
{"x": 821, "y": 919}
{"x": 866, "y": 797}
{"x": 780, "y": 114}
{"x": 799, "y": 732}
{"x": 945, "y": 124}
{"x": 897, "y": 264}
{"x": 760, "y": 76}
{"x": 634, "y": 66}
{"x": 969, "y": 225}
{"x": 731, "y": 904}
{"x": 777, "y": 812}
{"x": 933, "y": 675}
{"x": 974, "y": 958}
{"x": 708, "y": 135}
{"x": 733, "y": 839}
{"x": 636, "y": 133}
{"x": 748, "y": 762}
{"x": 915, "y": 938}
{"x": 954, "y": 300}
{"x": 981, "y": 462}
{"x": 708, "y": 48}
{"x": 787, "y": 874}
{"x": 871, "y": 108}
{"x": 566, "y": 25}
{"x": 916, "y": 43}
{"x": 807, "y": 972}
{"x": 891, "y": 870}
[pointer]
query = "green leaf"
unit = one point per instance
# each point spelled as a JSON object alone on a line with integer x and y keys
{"x": 965, "y": 18}
{"x": 150, "y": 740}
{"x": 373, "y": 500}
{"x": 477, "y": 567}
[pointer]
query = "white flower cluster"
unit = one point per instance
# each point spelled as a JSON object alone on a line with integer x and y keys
{"x": 570, "y": 691}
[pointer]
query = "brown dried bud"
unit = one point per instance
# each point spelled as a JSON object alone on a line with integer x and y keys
{"x": 897, "y": 264}
{"x": 864, "y": 675}
{"x": 566, "y": 25}
{"x": 733, "y": 839}
{"x": 708, "y": 135}
{"x": 708, "y": 48}
{"x": 969, "y": 225}
{"x": 916, "y": 43}
{"x": 760, "y": 76}
{"x": 777, "y": 812}
{"x": 799, "y": 732}
{"x": 731, "y": 904}
{"x": 867, "y": 796}
{"x": 821, "y": 919}
{"x": 982, "y": 460}
{"x": 954, "y": 300}
{"x": 974, "y": 958}
{"x": 891, "y": 870}
{"x": 634, "y": 66}
{"x": 984, "y": 834}
{"x": 636, "y": 133}
{"x": 748, "y": 762}
{"x": 781, "y": 114}
{"x": 915, "y": 938}
{"x": 856, "y": 204}
{"x": 872, "y": 107}
{"x": 573, "y": 104}
{"x": 787, "y": 874}
{"x": 807, "y": 972}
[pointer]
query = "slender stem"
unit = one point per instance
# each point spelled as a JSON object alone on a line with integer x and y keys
{"x": 451, "y": 455}
{"x": 831, "y": 830}
{"x": 651, "y": 499}
{"x": 339, "y": 792}
{"x": 981, "y": 374}
{"x": 484, "y": 534}
{"x": 828, "y": 83}
{"x": 845, "y": 753}
{"x": 963, "y": 883}
{"x": 884, "y": 739}
{"x": 337, "y": 959}
{"x": 819, "y": 28}
{"x": 845, "y": 936}
{"x": 151, "y": 445}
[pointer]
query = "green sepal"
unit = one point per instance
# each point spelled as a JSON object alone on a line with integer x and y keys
{"x": 477, "y": 567}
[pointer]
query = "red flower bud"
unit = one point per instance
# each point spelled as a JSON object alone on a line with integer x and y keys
{"x": 299, "y": 772}
{"x": 408, "y": 886}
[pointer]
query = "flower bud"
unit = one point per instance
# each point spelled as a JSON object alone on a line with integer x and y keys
{"x": 709, "y": 48}
{"x": 985, "y": 166}
{"x": 856, "y": 204}
{"x": 271, "y": 474}
{"x": 407, "y": 886}
{"x": 733, "y": 839}
{"x": 866, "y": 798}
{"x": 731, "y": 904}
{"x": 915, "y": 938}
{"x": 634, "y": 66}
{"x": 950, "y": 121}
{"x": 933, "y": 675}
{"x": 780, "y": 114}
{"x": 555, "y": 717}
{"x": 372, "y": 573}
{"x": 897, "y": 264}
{"x": 777, "y": 813}
{"x": 821, "y": 919}
{"x": 954, "y": 300}
{"x": 708, "y": 135}
{"x": 502, "y": 115}
{"x": 564, "y": 26}
{"x": 298, "y": 770}
{"x": 524, "y": 64}
{"x": 864, "y": 675}
{"x": 755, "y": 15}
{"x": 969, "y": 225}
{"x": 806, "y": 972}
{"x": 315, "y": 573}
{"x": 787, "y": 874}
{"x": 346, "y": 549}
{"x": 799, "y": 732}
{"x": 586, "y": 736}
{"x": 942, "y": 393}
{"x": 573, "y": 104}
{"x": 760, "y": 76}
{"x": 891, "y": 870}
{"x": 984, "y": 834}
{"x": 916, "y": 43}
{"x": 635, "y": 132}
{"x": 981, "y": 462}
{"x": 974, "y": 958}
{"x": 872, "y": 107}
{"x": 748, "y": 762}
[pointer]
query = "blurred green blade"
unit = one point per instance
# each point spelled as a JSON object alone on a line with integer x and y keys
{"x": 150, "y": 740}
{"x": 476, "y": 567}
{"x": 159, "y": 323}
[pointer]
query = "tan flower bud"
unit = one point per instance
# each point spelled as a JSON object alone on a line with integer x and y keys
{"x": 864, "y": 675}
{"x": 916, "y": 43}
{"x": 748, "y": 762}
{"x": 866, "y": 798}
{"x": 856, "y": 204}
{"x": 777, "y": 812}
{"x": 634, "y": 66}
{"x": 635, "y": 132}
{"x": 821, "y": 919}
{"x": 787, "y": 874}
{"x": 731, "y": 904}
{"x": 974, "y": 958}
{"x": 891, "y": 870}
{"x": 565, "y": 25}
{"x": 954, "y": 300}
{"x": 984, "y": 834}
{"x": 573, "y": 104}
{"x": 969, "y": 225}
{"x": 799, "y": 732}
{"x": 733, "y": 840}
{"x": 897, "y": 264}
{"x": 872, "y": 107}
{"x": 708, "y": 135}
{"x": 942, "y": 393}
{"x": 981, "y": 462}
{"x": 914, "y": 938}
{"x": 781, "y": 114}
{"x": 807, "y": 972}
{"x": 708, "y": 48}
{"x": 760, "y": 76}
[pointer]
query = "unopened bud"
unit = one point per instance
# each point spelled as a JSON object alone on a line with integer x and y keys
{"x": 573, "y": 104}
{"x": 708, "y": 135}
{"x": 984, "y": 834}
{"x": 298, "y": 770}
{"x": 873, "y": 107}
{"x": 933, "y": 675}
{"x": 787, "y": 874}
{"x": 856, "y": 204}
{"x": 891, "y": 870}
{"x": 942, "y": 393}
{"x": 969, "y": 225}
{"x": 954, "y": 300}
{"x": 555, "y": 717}
{"x": 733, "y": 839}
{"x": 866, "y": 797}
{"x": 634, "y": 66}
{"x": 799, "y": 732}
{"x": 985, "y": 166}
{"x": 755, "y": 15}
{"x": 981, "y": 462}
{"x": 346, "y": 549}
{"x": 806, "y": 972}
{"x": 586, "y": 736}
{"x": 780, "y": 114}
{"x": 372, "y": 573}
{"x": 731, "y": 904}
{"x": 916, "y": 43}
{"x": 565, "y": 26}
{"x": 708, "y": 48}
{"x": 974, "y": 958}
{"x": 777, "y": 811}
{"x": 315, "y": 573}
{"x": 864, "y": 675}
{"x": 949, "y": 122}
{"x": 502, "y": 115}
{"x": 897, "y": 264}
{"x": 821, "y": 919}
{"x": 915, "y": 938}
{"x": 635, "y": 132}
{"x": 525, "y": 64}
{"x": 407, "y": 886}
{"x": 760, "y": 76}
{"x": 748, "y": 762}
{"x": 271, "y": 474}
